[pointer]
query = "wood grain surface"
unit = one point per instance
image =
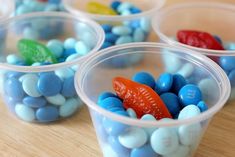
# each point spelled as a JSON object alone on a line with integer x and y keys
{"x": 75, "y": 137}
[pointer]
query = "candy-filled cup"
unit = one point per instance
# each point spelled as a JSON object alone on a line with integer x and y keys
{"x": 37, "y": 76}
{"x": 130, "y": 23}
{"x": 207, "y": 17}
{"x": 122, "y": 136}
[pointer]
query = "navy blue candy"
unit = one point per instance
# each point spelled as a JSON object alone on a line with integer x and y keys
{"x": 144, "y": 151}
{"x": 190, "y": 95}
{"x": 105, "y": 95}
{"x": 68, "y": 89}
{"x": 178, "y": 82}
{"x": 107, "y": 28}
{"x": 117, "y": 147}
{"x": 227, "y": 62}
{"x": 231, "y": 77}
{"x": 111, "y": 104}
{"x": 164, "y": 83}
{"x": 47, "y": 114}
{"x": 106, "y": 45}
{"x": 14, "y": 88}
{"x": 115, "y": 4}
{"x": 68, "y": 52}
{"x": 49, "y": 84}
{"x": 135, "y": 10}
{"x": 110, "y": 37}
{"x": 217, "y": 38}
{"x": 202, "y": 106}
{"x": 144, "y": 78}
{"x": 34, "y": 102}
{"x": 172, "y": 102}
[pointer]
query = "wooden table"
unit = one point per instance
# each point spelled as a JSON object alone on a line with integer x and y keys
{"x": 75, "y": 137}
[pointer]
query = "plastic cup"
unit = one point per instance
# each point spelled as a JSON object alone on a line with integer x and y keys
{"x": 26, "y": 92}
{"x": 203, "y": 16}
{"x": 7, "y": 9}
{"x": 121, "y": 136}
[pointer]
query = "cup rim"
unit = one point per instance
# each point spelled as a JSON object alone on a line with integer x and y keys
{"x": 156, "y": 20}
{"x": 226, "y": 89}
{"x": 10, "y": 4}
{"x": 97, "y": 28}
{"x": 98, "y": 17}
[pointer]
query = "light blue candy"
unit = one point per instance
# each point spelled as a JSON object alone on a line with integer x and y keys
{"x": 108, "y": 151}
{"x": 29, "y": 84}
{"x": 145, "y": 24}
{"x": 171, "y": 61}
{"x": 68, "y": 88}
{"x": 124, "y": 40}
{"x": 133, "y": 138}
{"x": 124, "y": 6}
{"x": 186, "y": 70}
{"x": 22, "y": 9}
{"x": 117, "y": 147}
{"x": 49, "y": 84}
{"x": 34, "y": 102}
{"x": 144, "y": 78}
{"x": 164, "y": 141}
{"x": 51, "y": 7}
{"x": 206, "y": 86}
{"x": 149, "y": 117}
{"x": 121, "y": 30}
{"x": 24, "y": 112}
{"x": 13, "y": 59}
{"x": 138, "y": 35}
{"x": 56, "y": 99}
{"x": 144, "y": 151}
{"x": 14, "y": 88}
{"x": 182, "y": 151}
{"x": 229, "y": 46}
{"x": 188, "y": 112}
{"x": 64, "y": 73}
{"x": 39, "y": 23}
{"x": 70, "y": 107}
{"x": 126, "y": 13}
{"x": 69, "y": 43}
{"x": 131, "y": 113}
{"x": 72, "y": 57}
{"x": 30, "y": 33}
{"x": 56, "y": 47}
{"x": 81, "y": 48}
{"x": 47, "y": 114}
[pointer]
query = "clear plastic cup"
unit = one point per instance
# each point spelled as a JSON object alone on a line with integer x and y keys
{"x": 180, "y": 138}
{"x": 7, "y": 9}
{"x": 24, "y": 88}
{"x": 211, "y": 17}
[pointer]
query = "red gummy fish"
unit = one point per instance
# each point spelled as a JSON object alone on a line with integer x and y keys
{"x": 141, "y": 98}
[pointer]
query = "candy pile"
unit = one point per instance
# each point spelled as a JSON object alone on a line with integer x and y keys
{"x": 43, "y": 96}
{"x": 170, "y": 96}
{"x": 28, "y": 6}
{"x": 205, "y": 40}
{"x": 120, "y": 32}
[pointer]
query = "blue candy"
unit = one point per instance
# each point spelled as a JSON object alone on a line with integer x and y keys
{"x": 115, "y": 4}
{"x": 172, "y": 102}
{"x": 164, "y": 83}
{"x": 68, "y": 52}
{"x": 202, "y": 106}
{"x": 54, "y": 1}
{"x": 49, "y": 84}
{"x": 231, "y": 77}
{"x": 14, "y": 88}
{"x": 106, "y": 45}
{"x": 107, "y": 28}
{"x": 111, "y": 104}
{"x": 178, "y": 82}
{"x": 190, "y": 95}
{"x": 227, "y": 62}
{"x": 47, "y": 114}
{"x": 68, "y": 89}
{"x": 34, "y": 102}
{"x": 105, "y": 95}
{"x": 117, "y": 147}
{"x": 144, "y": 78}
{"x": 218, "y": 39}
{"x": 14, "y": 74}
{"x": 144, "y": 151}
{"x": 69, "y": 43}
{"x": 135, "y": 10}
{"x": 110, "y": 37}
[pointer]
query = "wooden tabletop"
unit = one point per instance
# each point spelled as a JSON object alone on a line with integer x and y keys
{"x": 75, "y": 137}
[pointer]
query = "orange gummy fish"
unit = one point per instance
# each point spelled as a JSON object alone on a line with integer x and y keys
{"x": 141, "y": 98}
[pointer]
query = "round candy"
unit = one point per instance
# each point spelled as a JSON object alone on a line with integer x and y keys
{"x": 123, "y": 40}
{"x": 182, "y": 151}
{"x": 24, "y": 112}
{"x": 107, "y": 28}
{"x": 206, "y": 86}
{"x": 112, "y": 104}
{"x": 34, "y": 102}
{"x": 145, "y": 24}
{"x": 131, "y": 113}
{"x": 121, "y": 30}
{"x": 133, "y": 138}
{"x": 138, "y": 35}
{"x": 171, "y": 62}
{"x": 105, "y": 95}
{"x": 172, "y": 102}
{"x": 117, "y": 147}
{"x": 144, "y": 151}
{"x": 189, "y": 111}
{"x": 64, "y": 73}
{"x": 144, "y": 78}
{"x": 56, "y": 47}
{"x": 124, "y": 6}
{"x": 68, "y": 89}
{"x": 68, "y": 52}
{"x": 69, "y": 107}
{"x": 106, "y": 45}
{"x": 149, "y": 117}
{"x": 190, "y": 94}
{"x": 115, "y": 4}
{"x": 81, "y": 48}
{"x": 164, "y": 141}
{"x": 47, "y": 114}
{"x": 49, "y": 84}
{"x": 202, "y": 106}
{"x": 69, "y": 43}
{"x": 164, "y": 83}
{"x": 56, "y": 99}
{"x": 29, "y": 84}
{"x": 13, "y": 59}
{"x": 14, "y": 88}
{"x": 227, "y": 62}
{"x": 111, "y": 38}
{"x": 231, "y": 77}
{"x": 14, "y": 74}
{"x": 178, "y": 82}
{"x": 108, "y": 151}
{"x": 186, "y": 70}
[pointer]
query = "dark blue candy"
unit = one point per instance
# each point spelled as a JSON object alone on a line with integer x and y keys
{"x": 47, "y": 114}
{"x": 117, "y": 147}
{"x": 144, "y": 151}
{"x": 107, "y": 28}
{"x": 61, "y": 60}
{"x": 111, "y": 104}
{"x": 144, "y": 78}
{"x": 115, "y": 4}
{"x": 178, "y": 82}
{"x": 46, "y": 63}
{"x": 217, "y": 38}
{"x": 202, "y": 106}
{"x": 172, "y": 102}
{"x": 227, "y": 62}
{"x": 231, "y": 77}
{"x": 135, "y": 10}
{"x": 164, "y": 83}
{"x": 110, "y": 37}
{"x": 14, "y": 74}
{"x": 68, "y": 89}
{"x": 68, "y": 52}
{"x": 105, "y": 95}
{"x": 106, "y": 45}
{"x": 14, "y": 88}
{"x": 49, "y": 84}
{"x": 34, "y": 102}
